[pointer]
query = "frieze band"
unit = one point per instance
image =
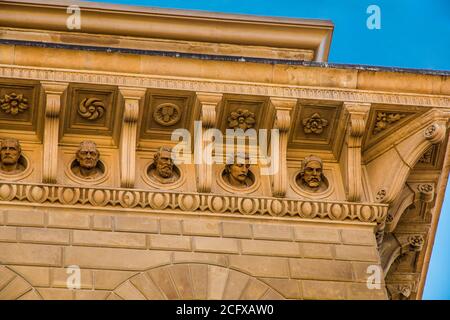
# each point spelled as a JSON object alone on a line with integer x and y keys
{"x": 223, "y": 87}
{"x": 191, "y": 202}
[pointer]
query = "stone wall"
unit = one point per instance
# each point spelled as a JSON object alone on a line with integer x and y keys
{"x": 126, "y": 255}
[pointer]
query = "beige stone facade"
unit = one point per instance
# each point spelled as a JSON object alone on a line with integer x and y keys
{"x": 368, "y": 206}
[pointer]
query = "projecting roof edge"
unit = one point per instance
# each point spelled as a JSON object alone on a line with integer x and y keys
{"x": 361, "y": 67}
{"x": 242, "y": 30}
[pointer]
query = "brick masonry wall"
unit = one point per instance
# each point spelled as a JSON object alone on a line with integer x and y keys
{"x": 132, "y": 256}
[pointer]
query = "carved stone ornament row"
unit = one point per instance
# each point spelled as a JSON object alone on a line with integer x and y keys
{"x": 222, "y": 87}
{"x": 191, "y": 202}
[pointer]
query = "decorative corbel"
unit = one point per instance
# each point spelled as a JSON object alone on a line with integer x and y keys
{"x": 207, "y": 104}
{"x": 401, "y": 291}
{"x": 396, "y": 209}
{"x": 419, "y": 194}
{"x": 395, "y": 246}
{"x": 424, "y": 196}
{"x": 53, "y": 100}
{"x": 397, "y": 155}
{"x": 132, "y": 98}
{"x": 356, "y": 114}
{"x": 282, "y": 108}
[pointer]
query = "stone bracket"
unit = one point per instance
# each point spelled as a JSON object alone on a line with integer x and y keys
{"x": 207, "y": 105}
{"x": 132, "y": 98}
{"x": 420, "y": 194}
{"x": 399, "y": 158}
{"x": 399, "y": 291}
{"x": 53, "y": 96}
{"x": 356, "y": 118}
{"x": 282, "y": 111}
{"x": 396, "y": 245}
{"x": 403, "y": 286}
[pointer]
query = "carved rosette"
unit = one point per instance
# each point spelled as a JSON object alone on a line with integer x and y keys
{"x": 167, "y": 114}
{"x": 434, "y": 133}
{"x": 314, "y": 124}
{"x": 13, "y": 103}
{"x": 91, "y": 108}
{"x": 381, "y": 195}
{"x": 241, "y": 119}
{"x": 429, "y": 131}
{"x": 425, "y": 188}
{"x": 384, "y": 119}
{"x": 416, "y": 242}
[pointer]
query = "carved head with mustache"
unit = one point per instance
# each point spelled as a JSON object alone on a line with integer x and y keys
{"x": 10, "y": 152}
{"x": 311, "y": 172}
{"x": 163, "y": 162}
{"x": 237, "y": 173}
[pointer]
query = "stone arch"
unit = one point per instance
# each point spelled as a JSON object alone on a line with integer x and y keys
{"x": 14, "y": 287}
{"x": 193, "y": 281}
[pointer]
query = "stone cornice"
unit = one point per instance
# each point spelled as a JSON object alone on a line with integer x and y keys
{"x": 120, "y": 198}
{"x": 273, "y": 90}
{"x": 172, "y": 25}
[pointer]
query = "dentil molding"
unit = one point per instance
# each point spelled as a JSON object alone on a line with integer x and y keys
{"x": 147, "y": 81}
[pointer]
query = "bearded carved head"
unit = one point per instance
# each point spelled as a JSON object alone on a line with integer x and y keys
{"x": 311, "y": 173}
{"x": 163, "y": 162}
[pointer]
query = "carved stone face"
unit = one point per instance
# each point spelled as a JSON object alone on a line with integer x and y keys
{"x": 88, "y": 155}
{"x": 10, "y": 153}
{"x": 239, "y": 172}
{"x": 312, "y": 174}
{"x": 164, "y": 164}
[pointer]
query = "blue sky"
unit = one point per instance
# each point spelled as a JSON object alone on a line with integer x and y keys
{"x": 413, "y": 34}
